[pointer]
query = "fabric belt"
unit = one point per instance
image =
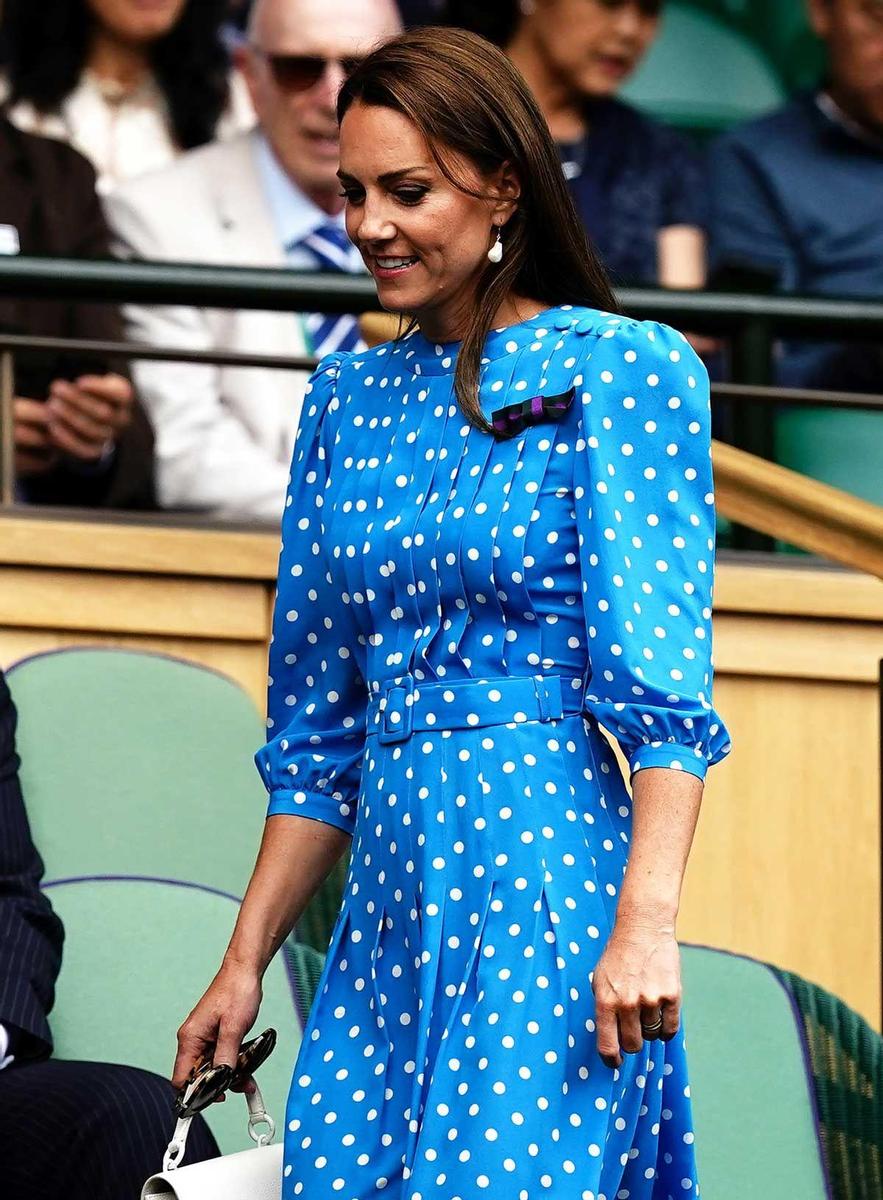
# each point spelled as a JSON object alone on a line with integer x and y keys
{"x": 404, "y": 706}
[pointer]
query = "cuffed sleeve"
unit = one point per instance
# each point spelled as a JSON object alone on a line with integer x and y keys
{"x": 645, "y": 515}
{"x": 317, "y": 699}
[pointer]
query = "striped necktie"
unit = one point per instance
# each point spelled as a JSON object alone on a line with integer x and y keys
{"x": 332, "y": 250}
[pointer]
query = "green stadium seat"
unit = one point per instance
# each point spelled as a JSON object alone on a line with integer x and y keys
{"x": 840, "y": 447}
{"x": 703, "y": 75}
{"x": 836, "y": 446}
{"x": 139, "y": 764}
{"x": 753, "y": 1102}
{"x": 137, "y": 955}
{"x": 781, "y": 29}
{"x": 847, "y": 1063}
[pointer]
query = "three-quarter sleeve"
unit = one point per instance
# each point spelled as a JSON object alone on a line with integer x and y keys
{"x": 645, "y": 516}
{"x": 317, "y": 698}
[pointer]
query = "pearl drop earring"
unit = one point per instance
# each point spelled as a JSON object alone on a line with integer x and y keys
{"x": 495, "y": 254}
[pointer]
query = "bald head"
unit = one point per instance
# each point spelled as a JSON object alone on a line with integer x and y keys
{"x": 295, "y": 101}
{"x": 312, "y": 26}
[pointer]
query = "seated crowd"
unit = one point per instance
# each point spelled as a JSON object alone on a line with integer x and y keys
{"x": 207, "y": 128}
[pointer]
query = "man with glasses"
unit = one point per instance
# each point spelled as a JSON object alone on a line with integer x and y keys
{"x": 269, "y": 198}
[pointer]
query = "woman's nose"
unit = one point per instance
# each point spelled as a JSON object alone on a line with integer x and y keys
{"x": 629, "y": 19}
{"x": 373, "y": 223}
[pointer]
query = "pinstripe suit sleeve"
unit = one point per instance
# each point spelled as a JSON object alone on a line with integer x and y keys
{"x": 31, "y": 936}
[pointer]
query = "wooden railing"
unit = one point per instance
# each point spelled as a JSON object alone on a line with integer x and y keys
{"x": 803, "y": 512}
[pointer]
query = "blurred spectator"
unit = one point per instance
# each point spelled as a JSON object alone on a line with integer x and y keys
{"x": 269, "y": 198}
{"x": 235, "y": 24}
{"x": 637, "y": 184}
{"x": 422, "y": 12}
{"x": 80, "y": 436}
{"x": 798, "y": 195}
{"x": 237, "y": 13}
{"x": 129, "y": 84}
{"x": 68, "y": 1130}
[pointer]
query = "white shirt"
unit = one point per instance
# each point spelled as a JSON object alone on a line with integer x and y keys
{"x": 123, "y": 133}
{"x": 5, "y": 1058}
{"x": 295, "y": 216}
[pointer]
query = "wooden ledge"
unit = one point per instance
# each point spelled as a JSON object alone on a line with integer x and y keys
{"x": 141, "y": 547}
{"x": 120, "y": 545}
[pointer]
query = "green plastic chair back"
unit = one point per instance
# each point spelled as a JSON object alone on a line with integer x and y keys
{"x": 839, "y": 447}
{"x": 781, "y": 28}
{"x": 138, "y": 954}
{"x": 139, "y": 764}
{"x": 847, "y": 1063}
{"x": 753, "y": 1105}
{"x": 702, "y": 74}
{"x": 781, "y": 31}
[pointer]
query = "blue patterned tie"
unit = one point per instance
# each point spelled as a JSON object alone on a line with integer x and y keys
{"x": 332, "y": 250}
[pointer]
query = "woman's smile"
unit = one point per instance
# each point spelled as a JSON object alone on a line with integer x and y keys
{"x": 390, "y": 266}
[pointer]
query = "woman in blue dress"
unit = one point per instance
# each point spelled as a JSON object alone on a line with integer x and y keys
{"x": 499, "y": 536}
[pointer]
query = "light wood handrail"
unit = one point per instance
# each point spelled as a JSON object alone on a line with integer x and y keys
{"x": 750, "y": 490}
{"x": 802, "y": 511}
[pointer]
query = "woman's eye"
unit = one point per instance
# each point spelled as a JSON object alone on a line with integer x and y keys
{"x": 410, "y": 195}
{"x": 352, "y": 195}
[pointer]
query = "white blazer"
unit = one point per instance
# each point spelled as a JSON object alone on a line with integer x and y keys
{"x": 123, "y": 134}
{"x": 224, "y": 435}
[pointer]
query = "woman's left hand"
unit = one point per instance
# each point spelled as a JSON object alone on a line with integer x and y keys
{"x": 637, "y": 979}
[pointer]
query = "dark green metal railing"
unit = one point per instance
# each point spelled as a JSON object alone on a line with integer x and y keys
{"x": 746, "y": 318}
{"x": 751, "y": 323}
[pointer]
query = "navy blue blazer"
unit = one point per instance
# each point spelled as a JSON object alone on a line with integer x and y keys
{"x": 31, "y": 935}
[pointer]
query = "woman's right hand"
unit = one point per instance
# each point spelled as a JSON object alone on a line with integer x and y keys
{"x": 219, "y": 1022}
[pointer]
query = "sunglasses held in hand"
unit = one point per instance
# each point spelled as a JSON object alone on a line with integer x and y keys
{"x": 206, "y": 1083}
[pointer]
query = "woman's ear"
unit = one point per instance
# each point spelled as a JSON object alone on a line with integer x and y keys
{"x": 506, "y": 190}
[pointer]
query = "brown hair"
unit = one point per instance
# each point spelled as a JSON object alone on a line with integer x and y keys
{"x": 464, "y": 95}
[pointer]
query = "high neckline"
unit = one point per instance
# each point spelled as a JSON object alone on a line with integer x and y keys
{"x": 426, "y": 357}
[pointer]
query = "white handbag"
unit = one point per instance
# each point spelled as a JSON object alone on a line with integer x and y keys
{"x": 249, "y": 1175}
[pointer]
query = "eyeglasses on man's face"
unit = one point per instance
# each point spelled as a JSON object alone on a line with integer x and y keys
{"x": 300, "y": 72}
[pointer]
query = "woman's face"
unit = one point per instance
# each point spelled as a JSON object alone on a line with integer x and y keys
{"x": 424, "y": 240}
{"x": 134, "y": 21}
{"x": 592, "y": 46}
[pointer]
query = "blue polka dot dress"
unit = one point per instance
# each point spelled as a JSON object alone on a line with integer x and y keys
{"x": 457, "y": 614}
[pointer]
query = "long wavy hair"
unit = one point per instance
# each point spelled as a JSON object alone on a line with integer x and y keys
{"x": 45, "y": 44}
{"x": 465, "y": 97}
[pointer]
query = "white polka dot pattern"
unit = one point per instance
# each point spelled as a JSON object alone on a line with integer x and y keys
{"x": 451, "y": 1049}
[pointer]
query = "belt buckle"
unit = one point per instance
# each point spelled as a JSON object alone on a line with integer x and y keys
{"x": 397, "y": 720}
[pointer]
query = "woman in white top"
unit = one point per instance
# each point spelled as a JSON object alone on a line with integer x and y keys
{"x": 129, "y": 84}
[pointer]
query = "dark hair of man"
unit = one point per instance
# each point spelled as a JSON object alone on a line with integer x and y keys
{"x": 465, "y": 97}
{"x": 45, "y": 45}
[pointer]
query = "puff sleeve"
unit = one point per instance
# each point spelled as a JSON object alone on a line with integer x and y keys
{"x": 317, "y": 700}
{"x": 645, "y": 517}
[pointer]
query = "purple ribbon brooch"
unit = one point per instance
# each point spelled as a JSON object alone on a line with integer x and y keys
{"x": 538, "y": 410}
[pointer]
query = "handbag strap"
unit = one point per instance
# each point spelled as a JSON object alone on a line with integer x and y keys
{"x": 257, "y": 1115}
